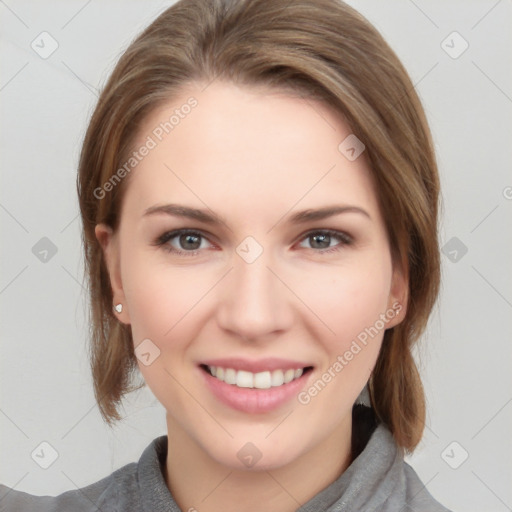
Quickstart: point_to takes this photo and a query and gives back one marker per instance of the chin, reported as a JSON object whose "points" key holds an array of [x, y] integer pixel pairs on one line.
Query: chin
{"points": [[255, 455]]}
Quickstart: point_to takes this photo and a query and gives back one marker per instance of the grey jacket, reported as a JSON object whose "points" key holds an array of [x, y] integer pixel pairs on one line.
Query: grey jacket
{"points": [[377, 480]]}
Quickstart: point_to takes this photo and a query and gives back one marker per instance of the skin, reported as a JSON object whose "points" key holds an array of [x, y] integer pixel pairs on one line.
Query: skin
{"points": [[254, 157]]}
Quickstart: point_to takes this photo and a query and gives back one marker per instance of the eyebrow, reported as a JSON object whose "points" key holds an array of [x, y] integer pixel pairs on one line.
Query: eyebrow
{"points": [[208, 217]]}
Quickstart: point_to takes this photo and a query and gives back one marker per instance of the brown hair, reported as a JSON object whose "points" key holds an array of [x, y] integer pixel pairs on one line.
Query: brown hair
{"points": [[321, 49]]}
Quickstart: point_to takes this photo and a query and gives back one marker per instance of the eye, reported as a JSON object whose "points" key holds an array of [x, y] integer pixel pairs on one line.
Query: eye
{"points": [[189, 242], [322, 238]]}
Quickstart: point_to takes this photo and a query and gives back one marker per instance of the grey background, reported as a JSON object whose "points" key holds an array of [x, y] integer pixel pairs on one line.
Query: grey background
{"points": [[465, 357]]}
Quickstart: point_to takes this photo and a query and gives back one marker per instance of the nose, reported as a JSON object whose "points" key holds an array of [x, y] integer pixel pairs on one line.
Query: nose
{"points": [[255, 302]]}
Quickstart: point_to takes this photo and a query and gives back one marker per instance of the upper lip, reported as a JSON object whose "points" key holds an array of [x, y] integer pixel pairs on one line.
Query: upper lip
{"points": [[255, 366]]}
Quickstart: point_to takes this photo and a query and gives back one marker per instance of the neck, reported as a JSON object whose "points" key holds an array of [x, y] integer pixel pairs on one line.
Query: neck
{"points": [[198, 482]]}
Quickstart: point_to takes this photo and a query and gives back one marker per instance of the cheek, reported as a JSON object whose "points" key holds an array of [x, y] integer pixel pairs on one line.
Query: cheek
{"points": [[159, 297], [350, 301], [347, 299], [162, 302]]}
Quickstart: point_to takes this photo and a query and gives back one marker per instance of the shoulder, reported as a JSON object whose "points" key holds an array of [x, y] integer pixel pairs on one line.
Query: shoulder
{"points": [[418, 497], [124, 489], [103, 494]]}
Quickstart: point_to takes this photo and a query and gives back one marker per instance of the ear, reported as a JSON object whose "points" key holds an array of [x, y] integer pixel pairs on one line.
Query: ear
{"points": [[398, 293], [109, 242]]}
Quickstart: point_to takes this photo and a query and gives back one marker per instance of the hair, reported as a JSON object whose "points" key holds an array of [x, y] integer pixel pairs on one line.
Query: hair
{"points": [[319, 49]]}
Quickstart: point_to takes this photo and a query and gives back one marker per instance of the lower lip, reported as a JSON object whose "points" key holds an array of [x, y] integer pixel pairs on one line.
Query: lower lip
{"points": [[251, 400]]}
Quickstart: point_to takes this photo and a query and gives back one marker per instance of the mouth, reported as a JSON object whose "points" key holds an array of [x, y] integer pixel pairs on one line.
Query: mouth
{"points": [[261, 380], [254, 387]]}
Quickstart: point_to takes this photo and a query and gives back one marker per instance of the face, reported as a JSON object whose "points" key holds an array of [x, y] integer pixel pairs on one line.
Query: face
{"points": [[228, 304]]}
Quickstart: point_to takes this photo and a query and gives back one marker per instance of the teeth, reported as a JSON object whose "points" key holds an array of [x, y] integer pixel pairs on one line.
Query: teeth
{"points": [[230, 376], [288, 376], [277, 378], [262, 380], [244, 379]]}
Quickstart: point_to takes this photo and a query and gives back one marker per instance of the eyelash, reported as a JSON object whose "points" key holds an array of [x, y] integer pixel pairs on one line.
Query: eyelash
{"points": [[169, 235]]}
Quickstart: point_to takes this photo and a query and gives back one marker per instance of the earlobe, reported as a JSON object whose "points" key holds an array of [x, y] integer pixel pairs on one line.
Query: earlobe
{"points": [[110, 247]]}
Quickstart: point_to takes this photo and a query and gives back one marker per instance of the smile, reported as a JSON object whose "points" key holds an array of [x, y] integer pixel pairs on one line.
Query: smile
{"points": [[260, 380], [254, 387]]}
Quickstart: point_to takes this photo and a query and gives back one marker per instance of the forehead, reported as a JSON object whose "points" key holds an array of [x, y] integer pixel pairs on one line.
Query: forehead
{"points": [[246, 149]]}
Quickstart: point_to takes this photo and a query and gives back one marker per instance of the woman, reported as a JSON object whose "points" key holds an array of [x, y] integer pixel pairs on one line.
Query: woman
{"points": [[284, 142]]}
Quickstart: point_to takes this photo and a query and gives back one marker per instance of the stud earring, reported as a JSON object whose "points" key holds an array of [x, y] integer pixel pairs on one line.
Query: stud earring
{"points": [[118, 308]]}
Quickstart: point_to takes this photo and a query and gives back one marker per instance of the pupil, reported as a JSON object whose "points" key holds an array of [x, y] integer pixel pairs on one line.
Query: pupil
{"points": [[189, 238], [323, 238]]}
